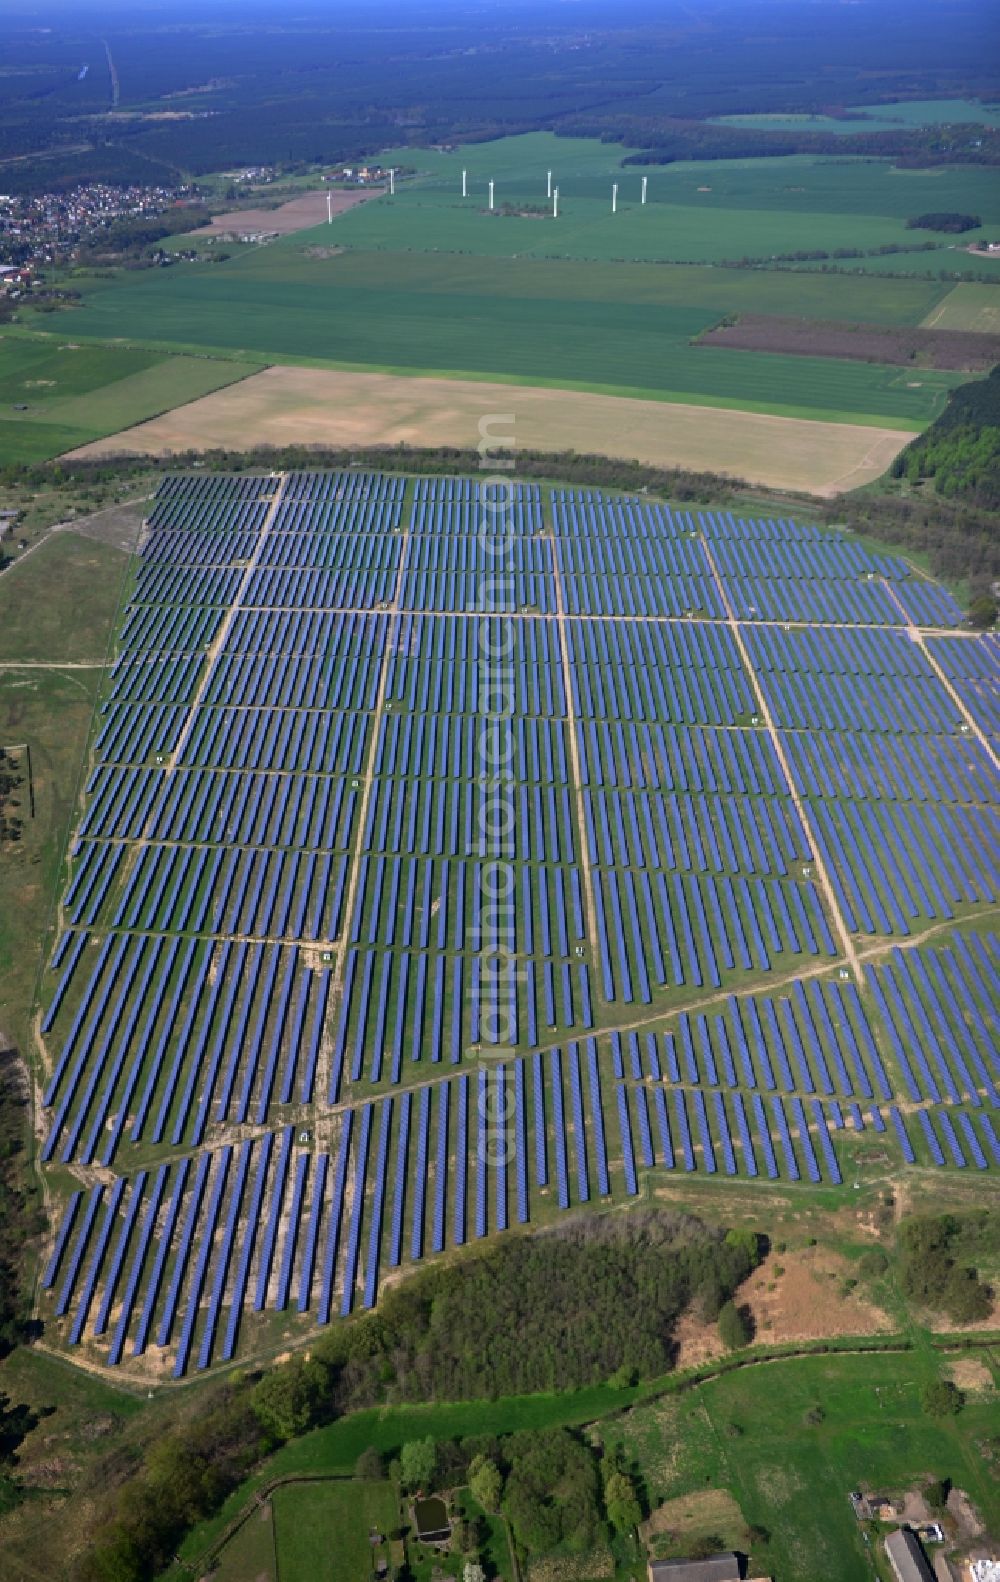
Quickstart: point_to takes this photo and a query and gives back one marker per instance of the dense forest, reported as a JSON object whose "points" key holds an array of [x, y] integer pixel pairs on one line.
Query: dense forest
{"points": [[573, 1306], [960, 453], [316, 87]]}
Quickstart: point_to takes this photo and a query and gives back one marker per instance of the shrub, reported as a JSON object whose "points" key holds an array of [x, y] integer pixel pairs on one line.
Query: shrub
{"points": [[735, 1327], [942, 1399]]}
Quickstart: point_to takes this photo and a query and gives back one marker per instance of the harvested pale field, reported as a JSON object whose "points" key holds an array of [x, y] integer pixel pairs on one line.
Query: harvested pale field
{"points": [[313, 406], [298, 214]]}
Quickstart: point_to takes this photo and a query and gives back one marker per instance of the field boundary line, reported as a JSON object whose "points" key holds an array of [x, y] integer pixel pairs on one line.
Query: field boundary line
{"points": [[847, 944], [916, 634]]}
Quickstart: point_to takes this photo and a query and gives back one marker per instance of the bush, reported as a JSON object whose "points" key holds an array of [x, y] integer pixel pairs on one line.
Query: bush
{"points": [[288, 1399], [418, 1464], [942, 1399], [369, 1465], [936, 1493], [930, 1273], [735, 1327], [873, 1263]]}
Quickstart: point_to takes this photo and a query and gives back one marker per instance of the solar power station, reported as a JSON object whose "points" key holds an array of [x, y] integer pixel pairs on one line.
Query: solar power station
{"points": [[751, 783]]}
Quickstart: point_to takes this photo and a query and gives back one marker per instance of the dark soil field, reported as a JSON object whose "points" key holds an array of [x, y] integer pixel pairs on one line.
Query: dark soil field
{"points": [[868, 343]]}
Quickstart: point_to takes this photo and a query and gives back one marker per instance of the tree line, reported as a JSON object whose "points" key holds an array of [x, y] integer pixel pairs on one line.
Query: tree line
{"points": [[960, 455], [955, 530]]}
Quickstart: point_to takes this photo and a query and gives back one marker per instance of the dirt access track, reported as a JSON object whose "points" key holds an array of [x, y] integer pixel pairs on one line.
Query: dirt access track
{"points": [[315, 406], [298, 214]]}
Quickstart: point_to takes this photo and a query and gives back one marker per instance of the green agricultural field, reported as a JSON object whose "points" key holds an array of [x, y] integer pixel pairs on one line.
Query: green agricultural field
{"points": [[46, 370], [399, 313], [967, 307], [785, 194], [696, 212], [321, 1529], [429, 284], [676, 227], [75, 392]]}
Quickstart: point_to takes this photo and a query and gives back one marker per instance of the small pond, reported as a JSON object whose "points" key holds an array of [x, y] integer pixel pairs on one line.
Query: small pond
{"points": [[431, 1517]]}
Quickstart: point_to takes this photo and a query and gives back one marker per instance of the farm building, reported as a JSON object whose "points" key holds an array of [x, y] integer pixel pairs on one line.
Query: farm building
{"points": [[717, 1568], [906, 1557]]}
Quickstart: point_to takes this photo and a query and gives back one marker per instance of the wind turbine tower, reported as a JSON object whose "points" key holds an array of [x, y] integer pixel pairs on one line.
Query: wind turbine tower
{"points": [[465, 183], [550, 185], [555, 203], [392, 183], [491, 197], [329, 208], [614, 198], [645, 179]]}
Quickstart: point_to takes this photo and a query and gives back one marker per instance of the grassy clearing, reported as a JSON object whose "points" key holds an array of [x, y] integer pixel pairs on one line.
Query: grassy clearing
{"points": [[250, 1553], [306, 1515], [51, 710], [60, 603], [85, 1419]]}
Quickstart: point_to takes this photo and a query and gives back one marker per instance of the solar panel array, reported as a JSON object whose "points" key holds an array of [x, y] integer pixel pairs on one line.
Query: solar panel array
{"points": [[737, 754]]}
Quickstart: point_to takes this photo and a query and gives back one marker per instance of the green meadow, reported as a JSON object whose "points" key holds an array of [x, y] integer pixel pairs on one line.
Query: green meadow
{"points": [[790, 1440]]}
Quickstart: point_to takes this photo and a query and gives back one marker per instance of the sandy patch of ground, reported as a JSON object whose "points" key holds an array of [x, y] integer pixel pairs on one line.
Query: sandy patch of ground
{"points": [[315, 406], [697, 1342], [298, 214], [972, 1377], [807, 1300]]}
